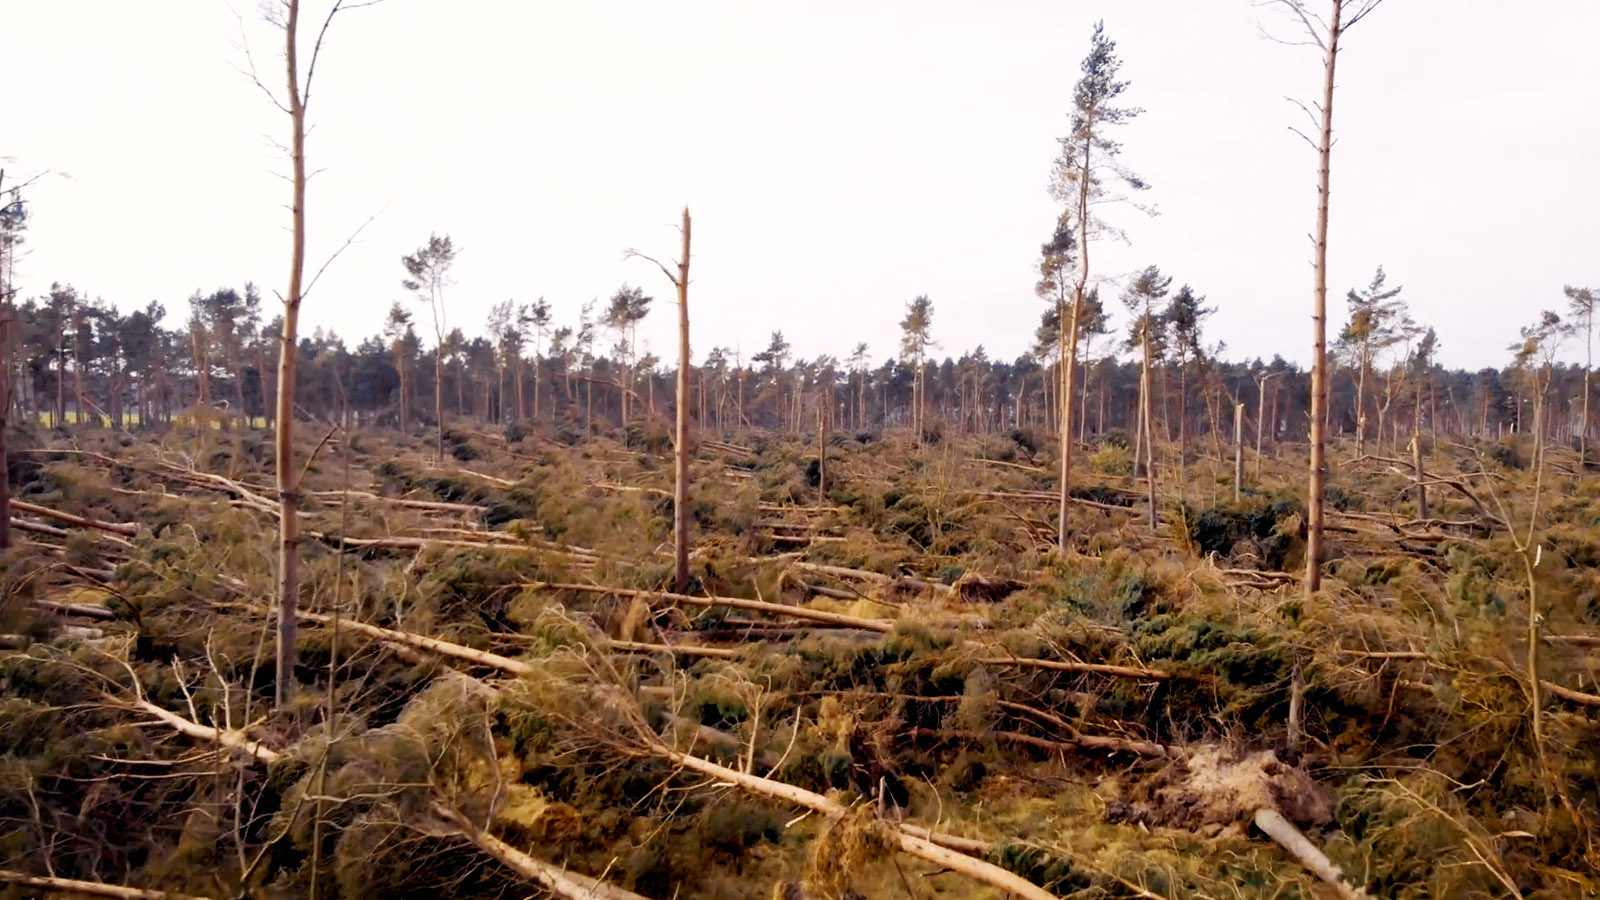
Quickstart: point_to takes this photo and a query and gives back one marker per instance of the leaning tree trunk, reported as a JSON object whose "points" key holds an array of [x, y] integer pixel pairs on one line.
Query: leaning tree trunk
{"points": [[288, 487], [1065, 425], [680, 487], [1319, 318]]}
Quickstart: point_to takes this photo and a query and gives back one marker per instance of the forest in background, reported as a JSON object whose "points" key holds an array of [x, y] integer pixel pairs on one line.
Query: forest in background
{"points": [[83, 358]]}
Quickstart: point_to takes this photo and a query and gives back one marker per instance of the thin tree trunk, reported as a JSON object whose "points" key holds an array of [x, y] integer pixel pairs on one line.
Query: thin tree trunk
{"points": [[1583, 432], [1146, 425], [461, 402], [438, 397], [1238, 451], [1319, 317], [5, 393], [680, 487], [522, 396], [287, 482]]}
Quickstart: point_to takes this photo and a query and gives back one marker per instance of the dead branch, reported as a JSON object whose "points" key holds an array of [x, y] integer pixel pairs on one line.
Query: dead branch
{"points": [[94, 888]]}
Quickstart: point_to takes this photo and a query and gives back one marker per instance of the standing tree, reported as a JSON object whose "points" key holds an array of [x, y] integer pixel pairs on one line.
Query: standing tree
{"points": [[1325, 35], [288, 484], [427, 275], [1143, 299], [502, 332], [1580, 318], [1534, 358], [13, 220], [914, 343], [1186, 317], [774, 358], [536, 315], [628, 307], [397, 331], [680, 436], [1378, 321], [1093, 321], [1084, 175], [858, 368]]}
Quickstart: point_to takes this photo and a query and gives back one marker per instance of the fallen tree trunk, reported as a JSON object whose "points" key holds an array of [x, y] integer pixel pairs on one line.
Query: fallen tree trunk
{"points": [[126, 529], [1274, 825], [558, 881], [54, 885], [677, 649], [86, 610], [445, 648], [1066, 666], [233, 740], [776, 609], [874, 577], [39, 528], [911, 843], [1073, 744]]}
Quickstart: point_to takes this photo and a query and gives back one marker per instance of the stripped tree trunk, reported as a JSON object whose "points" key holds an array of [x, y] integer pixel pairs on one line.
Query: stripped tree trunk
{"points": [[680, 487], [1319, 315], [287, 482]]}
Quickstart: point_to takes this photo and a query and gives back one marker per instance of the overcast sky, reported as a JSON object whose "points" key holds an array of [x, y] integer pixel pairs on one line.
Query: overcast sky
{"points": [[839, 158]]}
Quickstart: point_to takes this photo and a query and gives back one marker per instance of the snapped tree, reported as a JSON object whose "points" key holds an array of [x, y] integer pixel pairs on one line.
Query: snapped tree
{"points": [[680, 434]]}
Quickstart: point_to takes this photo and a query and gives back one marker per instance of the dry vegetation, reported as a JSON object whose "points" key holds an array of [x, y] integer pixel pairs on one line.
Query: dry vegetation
{"points": [[898, 688]]}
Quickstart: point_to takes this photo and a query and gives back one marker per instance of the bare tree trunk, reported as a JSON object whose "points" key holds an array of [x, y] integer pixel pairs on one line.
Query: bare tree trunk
{"points": [[1083, 397], [1261, 418], [1147, 427], [522, 395], [1361, 406], [5, 392], [461, 402], [287, 482], [261, 383], [1319, 316], [1583, 432], [1065, 425], [680, 487], [1416, 465], [1238, 451], [438, 398]]}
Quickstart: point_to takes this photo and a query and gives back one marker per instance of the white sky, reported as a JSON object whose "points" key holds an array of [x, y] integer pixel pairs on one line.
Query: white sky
{"points": [[838, 157]]}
